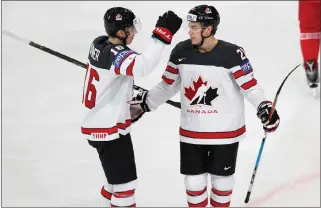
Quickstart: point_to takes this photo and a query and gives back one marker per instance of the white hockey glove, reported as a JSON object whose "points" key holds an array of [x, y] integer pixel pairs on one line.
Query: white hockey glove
{"points": [[138, 106]]}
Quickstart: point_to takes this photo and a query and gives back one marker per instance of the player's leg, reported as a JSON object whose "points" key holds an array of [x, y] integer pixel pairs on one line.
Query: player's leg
{"points": [[106, 192], [118, 161], [193, 166], [221, 166], [309, 17]]}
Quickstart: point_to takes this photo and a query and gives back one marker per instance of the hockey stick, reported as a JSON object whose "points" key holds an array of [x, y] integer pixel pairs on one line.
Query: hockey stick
{"points": [[67, 58], [247, 199]]}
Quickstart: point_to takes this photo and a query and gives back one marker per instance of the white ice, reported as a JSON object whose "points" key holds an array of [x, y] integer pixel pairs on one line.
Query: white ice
{"points": [[46, 162]]}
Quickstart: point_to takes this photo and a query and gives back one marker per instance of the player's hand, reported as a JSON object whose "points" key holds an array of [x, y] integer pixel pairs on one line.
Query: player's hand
{"points": [[263, 113], [167, 25], [138, 106]]}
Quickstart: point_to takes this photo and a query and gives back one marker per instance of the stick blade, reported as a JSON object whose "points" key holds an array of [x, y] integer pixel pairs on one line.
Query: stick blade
{"points": [[14, 36]]}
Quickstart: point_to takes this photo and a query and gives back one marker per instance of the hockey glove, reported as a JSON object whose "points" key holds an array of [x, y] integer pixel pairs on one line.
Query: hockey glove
{"points": [[138, 106], [263, 113], [166, 26]]}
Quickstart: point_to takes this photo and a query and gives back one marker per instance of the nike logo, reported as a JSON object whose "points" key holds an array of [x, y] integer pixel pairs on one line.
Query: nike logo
{"points": [[226, 168], [181, 59]]}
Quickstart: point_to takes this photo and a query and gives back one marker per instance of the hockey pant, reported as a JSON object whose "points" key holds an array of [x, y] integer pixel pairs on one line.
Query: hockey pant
{"points": [[309, 17]]}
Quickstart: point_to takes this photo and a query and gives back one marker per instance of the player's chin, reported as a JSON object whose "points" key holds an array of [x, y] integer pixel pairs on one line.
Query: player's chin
{"points": [[195, 41], [129, 41]]}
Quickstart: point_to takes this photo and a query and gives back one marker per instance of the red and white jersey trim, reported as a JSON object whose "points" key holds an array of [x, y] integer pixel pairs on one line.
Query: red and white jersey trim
{"points": [[106, 134], [226, 137], [171, 73], [245, 80]]}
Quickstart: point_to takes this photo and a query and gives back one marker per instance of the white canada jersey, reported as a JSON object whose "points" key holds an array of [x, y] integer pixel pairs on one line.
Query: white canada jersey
{"points": [[108, 87], [212, 87]]}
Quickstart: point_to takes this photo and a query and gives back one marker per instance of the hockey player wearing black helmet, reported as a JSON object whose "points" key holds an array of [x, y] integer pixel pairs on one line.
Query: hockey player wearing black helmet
{"points": [[202, 22], [107, 91], [214, 77], [121, 25]]}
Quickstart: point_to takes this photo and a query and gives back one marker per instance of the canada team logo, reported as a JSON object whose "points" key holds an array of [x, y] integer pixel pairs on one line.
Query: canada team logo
{"points": [[208, 10], [200, 93], [119, 17]]}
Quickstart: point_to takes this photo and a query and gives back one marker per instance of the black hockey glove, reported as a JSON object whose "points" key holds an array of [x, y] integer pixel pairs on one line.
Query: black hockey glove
{"points": [[263, 113], [166, 26], [138, 106]]}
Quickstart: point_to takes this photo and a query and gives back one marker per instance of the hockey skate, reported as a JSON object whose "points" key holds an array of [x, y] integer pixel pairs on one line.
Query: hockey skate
{"points": [[312, 74]]}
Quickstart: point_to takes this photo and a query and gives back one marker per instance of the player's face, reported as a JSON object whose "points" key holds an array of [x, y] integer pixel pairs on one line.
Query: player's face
{"points": [[132, 31], [195, 32]]}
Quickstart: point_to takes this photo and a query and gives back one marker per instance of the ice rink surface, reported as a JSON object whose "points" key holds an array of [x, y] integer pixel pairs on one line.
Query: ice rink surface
{"points": [[46, 162]]}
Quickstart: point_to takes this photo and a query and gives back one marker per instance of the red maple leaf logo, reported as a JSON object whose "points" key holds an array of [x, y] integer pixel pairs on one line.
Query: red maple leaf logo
{"points": [[189, 92]]}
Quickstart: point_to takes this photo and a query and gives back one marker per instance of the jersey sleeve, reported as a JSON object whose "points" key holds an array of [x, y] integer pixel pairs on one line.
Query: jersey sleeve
{"points": [[171, 72], [129, 63], [169, 85], [162, 92], [243, 74]]}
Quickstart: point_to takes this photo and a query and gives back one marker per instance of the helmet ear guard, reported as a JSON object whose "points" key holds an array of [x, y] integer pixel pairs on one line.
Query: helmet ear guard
{"points": [[205, 25]]}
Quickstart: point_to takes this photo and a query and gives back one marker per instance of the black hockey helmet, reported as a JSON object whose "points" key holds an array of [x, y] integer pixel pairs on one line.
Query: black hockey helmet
{"points": [[206, 15], [118, 18]]}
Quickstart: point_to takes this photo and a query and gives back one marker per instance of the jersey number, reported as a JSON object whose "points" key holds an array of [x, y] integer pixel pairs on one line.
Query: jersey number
{"points": [[242, 53], [90, 97]]}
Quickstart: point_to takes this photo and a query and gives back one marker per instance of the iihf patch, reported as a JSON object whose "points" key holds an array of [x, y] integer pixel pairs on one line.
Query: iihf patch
{"points": [[121, 56], [246, 67]]}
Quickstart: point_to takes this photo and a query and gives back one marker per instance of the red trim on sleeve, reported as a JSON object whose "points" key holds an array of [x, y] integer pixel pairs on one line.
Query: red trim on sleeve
{"points": [[171, 69], [129, 70], [168, 81], [249, 84]]}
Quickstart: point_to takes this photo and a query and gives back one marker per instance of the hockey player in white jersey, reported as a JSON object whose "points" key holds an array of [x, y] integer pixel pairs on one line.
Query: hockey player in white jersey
{"points": [[212, 122], [107, 91]]}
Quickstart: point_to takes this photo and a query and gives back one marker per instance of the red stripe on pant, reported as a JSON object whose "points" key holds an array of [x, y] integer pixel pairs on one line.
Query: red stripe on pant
{"points": [[217, 204], [201, 204], [196, 193], [105, 193], [124, 194], [221, 193]]}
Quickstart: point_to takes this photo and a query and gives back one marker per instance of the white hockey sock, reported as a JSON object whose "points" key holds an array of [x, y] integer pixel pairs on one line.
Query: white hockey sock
{"points": [[196, 190], [106, 192], [124, 195], [221, 190]]}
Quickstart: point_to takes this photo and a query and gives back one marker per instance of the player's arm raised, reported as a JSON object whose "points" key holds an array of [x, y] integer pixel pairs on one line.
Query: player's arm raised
{"points": [[146, 101], [128, 62]]}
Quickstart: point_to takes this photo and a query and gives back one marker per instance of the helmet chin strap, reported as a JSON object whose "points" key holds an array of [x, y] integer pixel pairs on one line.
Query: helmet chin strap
{"points": [[125, 38], [198, 46]]}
